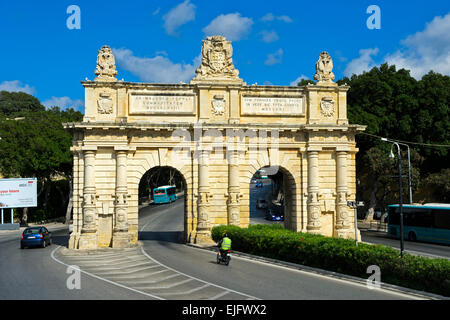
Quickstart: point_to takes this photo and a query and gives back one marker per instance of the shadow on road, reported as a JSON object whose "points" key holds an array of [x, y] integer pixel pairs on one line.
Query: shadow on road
{"points": [[167, 236], [61, 240]]}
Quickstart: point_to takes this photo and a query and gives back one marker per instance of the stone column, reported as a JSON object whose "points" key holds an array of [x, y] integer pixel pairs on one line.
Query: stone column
{"points": [[342, 221], [76, 206], [120, 232], [233, 202], [313, 204], [88, 238], [203, 234]]}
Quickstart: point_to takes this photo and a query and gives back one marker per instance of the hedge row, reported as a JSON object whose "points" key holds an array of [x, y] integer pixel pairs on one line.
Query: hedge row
{"points": [[340, 255]]}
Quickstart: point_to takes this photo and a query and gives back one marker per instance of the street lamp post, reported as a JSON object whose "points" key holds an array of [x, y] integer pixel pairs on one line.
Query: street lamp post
{"points": [[402, 247], [354, 205]]}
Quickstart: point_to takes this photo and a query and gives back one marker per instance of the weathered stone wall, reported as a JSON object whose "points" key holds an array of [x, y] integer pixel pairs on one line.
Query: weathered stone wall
{"points": [[130, 128]]}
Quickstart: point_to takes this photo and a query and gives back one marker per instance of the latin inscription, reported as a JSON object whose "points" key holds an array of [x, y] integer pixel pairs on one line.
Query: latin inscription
{"points": [[161, 104], [272, 106]]}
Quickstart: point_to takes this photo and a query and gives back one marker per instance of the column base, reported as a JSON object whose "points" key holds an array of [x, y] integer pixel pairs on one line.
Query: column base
{"points": [[314, 231], [88, 241], [203, 238], [120, 239], [348, 234], [74, 240]]}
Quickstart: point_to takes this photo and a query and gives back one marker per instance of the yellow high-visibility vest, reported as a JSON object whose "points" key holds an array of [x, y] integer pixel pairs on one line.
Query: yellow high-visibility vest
{"points": [[226, 244]]}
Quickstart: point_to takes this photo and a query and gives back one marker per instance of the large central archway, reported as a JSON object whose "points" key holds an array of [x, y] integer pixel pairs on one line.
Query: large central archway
{"points": [[173, 205]]}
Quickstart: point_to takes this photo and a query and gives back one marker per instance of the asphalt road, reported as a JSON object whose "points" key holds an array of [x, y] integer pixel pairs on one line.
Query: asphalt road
{"points": [[415, 248], [32, 274], [162, 268], [161, 231]]}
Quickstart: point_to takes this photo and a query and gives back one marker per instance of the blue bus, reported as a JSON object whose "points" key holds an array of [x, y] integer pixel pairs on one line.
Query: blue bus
{"points": [[428, 223], [165, 194]]}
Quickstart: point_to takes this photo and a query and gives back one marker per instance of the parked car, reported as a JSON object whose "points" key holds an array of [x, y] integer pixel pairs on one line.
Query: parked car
{"points": [[261, 204], [71, 226], [274, 215], [35, 236]]}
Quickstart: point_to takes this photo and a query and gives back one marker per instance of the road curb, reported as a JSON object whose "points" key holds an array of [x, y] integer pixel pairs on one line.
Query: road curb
{"points": [[332, 274]]}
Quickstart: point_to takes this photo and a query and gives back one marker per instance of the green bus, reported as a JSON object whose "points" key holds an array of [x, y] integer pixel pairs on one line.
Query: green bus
{"points": [[427, 223]]}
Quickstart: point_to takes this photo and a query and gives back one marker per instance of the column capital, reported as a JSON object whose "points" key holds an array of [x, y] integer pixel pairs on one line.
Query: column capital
{"points": [[89, 148], [121, 148]]}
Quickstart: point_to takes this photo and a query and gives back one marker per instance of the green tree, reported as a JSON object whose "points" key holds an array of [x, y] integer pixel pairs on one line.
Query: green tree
{"points": [[393, 104], [15, 104], [36, 145]]}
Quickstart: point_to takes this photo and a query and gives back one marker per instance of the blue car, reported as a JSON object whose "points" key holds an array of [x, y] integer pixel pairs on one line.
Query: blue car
{"points": [[259, 184], [36, 236], [274, 215]]}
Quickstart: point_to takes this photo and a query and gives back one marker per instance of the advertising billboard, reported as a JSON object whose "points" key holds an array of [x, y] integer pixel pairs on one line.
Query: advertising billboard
{"points": [[18, 193]]}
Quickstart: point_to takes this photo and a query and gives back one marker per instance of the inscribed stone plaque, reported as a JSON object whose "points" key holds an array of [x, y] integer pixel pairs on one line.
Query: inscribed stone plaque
{"points": [[272, 106], [161, 104]]}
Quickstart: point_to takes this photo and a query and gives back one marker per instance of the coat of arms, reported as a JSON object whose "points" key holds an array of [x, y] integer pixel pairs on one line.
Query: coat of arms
{"points": [[106, 65], [105, 104], [217, 60], [327, 107], [218, 105]]}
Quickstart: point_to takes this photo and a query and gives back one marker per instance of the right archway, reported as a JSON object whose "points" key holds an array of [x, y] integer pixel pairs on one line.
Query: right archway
{"points": [[272, 197]]}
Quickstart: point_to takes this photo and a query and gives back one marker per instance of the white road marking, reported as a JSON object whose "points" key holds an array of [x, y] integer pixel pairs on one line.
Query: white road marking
{"points": [[106, 280], [220, 295], [166, 287], [203, 281]]}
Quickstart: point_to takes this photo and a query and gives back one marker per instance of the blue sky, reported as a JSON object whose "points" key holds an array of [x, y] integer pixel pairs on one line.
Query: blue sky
{"points": [[274, 42]]}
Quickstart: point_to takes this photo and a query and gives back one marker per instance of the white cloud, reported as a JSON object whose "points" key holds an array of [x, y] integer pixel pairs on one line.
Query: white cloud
{"points": [[269, 36], [159, 69], [296, 81], [181, 14], [270, 17], [364, 62], [425, 50], [274, 58], [421, 52], [16, 86], [64, 103], [232, 26], [285, 19]]}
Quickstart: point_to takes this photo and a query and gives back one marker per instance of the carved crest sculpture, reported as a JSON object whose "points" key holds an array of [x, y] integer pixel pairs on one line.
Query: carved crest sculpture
{"points": [[324, 68], [106, 65], [218, 105], [105, 104], [327, 107], [217, 62]]}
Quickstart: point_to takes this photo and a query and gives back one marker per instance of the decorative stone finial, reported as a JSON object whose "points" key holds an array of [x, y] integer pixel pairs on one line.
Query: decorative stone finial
{"points": [[106, 65], [324, 68], [217, 62]]}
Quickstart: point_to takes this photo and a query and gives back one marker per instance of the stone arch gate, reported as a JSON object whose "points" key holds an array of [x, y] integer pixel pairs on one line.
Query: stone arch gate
{"points": [[216, 131]]}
